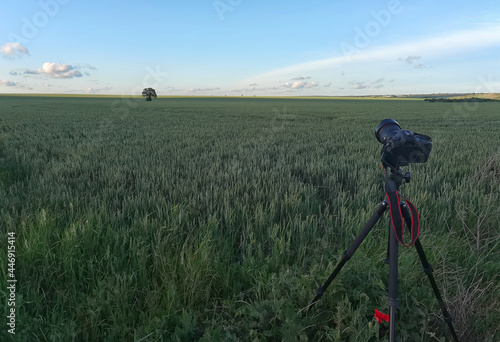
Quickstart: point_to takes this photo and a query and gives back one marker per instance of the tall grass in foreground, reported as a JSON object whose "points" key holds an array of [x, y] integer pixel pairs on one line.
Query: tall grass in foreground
{"points": [[217, 219]]}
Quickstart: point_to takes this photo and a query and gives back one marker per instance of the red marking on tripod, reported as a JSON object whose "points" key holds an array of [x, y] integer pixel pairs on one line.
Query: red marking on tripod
{"points": [[380, 316]]}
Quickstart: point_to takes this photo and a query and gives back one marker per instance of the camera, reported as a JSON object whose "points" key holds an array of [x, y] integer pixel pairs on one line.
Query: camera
{"points": [[401, 146]]}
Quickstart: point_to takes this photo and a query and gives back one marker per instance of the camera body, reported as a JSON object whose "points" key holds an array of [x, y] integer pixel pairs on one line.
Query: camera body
{"points": [[401, 146]]}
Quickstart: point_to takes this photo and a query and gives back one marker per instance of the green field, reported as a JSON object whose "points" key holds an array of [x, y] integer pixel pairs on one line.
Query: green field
{"points": [[216, 219]]}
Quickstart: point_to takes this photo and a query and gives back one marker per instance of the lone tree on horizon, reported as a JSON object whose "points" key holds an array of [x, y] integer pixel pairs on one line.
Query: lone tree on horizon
{"points": [[148, 93]]}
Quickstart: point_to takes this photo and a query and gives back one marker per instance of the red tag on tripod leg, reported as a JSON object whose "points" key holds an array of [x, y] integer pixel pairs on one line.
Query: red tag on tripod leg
{"points": [[380, 316]]}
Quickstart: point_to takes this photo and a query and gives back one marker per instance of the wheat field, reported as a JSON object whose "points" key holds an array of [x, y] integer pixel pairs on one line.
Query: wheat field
{"points": [[216, 219]]}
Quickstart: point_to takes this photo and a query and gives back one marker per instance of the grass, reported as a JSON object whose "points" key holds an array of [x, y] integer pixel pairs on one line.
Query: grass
{"points": [[217, 219]]}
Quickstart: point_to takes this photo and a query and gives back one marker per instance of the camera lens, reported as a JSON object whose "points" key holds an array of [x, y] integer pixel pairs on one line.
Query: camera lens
{"points": [[387, 128]]}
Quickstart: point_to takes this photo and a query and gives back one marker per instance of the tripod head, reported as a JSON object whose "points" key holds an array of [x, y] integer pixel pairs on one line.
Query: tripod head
{"points": [[394, 177]]}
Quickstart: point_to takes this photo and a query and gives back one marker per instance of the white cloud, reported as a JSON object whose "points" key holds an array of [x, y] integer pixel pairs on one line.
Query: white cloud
{"points": [[55, 70], [279, 89], [97, 90], [7, 83], [409, 59], [327, 84], [432, 46], [311, 84], [377, 84], [298, 85], [358, 85], [13, 50], [195, 90], [84, 66]]}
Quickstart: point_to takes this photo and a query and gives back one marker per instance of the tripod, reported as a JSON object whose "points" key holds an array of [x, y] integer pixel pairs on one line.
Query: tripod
{"points": [[393, 181]]}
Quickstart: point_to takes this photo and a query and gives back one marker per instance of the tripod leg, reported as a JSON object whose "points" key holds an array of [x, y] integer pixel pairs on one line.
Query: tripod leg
{"points": [[388, 245], [393, 282], [428, 270], [348, 253]]}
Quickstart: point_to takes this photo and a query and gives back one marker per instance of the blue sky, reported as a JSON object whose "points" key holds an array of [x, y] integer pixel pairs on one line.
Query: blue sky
{"points": [[234, 47]]}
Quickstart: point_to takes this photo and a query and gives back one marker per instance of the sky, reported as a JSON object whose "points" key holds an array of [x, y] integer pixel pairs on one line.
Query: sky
{"points": [[243, 47]]}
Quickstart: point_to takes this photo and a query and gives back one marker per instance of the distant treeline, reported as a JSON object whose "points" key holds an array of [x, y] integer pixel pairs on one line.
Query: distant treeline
{"points": [[470, 99]]}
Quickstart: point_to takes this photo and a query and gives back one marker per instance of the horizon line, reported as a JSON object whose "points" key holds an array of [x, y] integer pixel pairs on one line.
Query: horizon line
{"points": [[393, 96]]}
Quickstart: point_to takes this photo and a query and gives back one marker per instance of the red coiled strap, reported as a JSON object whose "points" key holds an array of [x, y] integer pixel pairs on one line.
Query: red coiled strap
{"points": [[397, 218]]}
